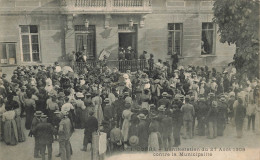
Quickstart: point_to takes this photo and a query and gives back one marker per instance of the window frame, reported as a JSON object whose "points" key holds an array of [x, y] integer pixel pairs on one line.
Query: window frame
{"points": [[173, 33], [7, 51], [30, 43], [82, 32], [213, 38]]}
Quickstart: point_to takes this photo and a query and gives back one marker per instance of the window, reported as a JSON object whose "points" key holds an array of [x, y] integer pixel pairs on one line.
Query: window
{"points": [[8, 53], [86, 41], [207, 38], [174, 38], [30, 43]]}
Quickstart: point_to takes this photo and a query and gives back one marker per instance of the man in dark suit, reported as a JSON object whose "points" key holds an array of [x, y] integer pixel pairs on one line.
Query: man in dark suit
{"points": [[45, 132], [91, 126]]}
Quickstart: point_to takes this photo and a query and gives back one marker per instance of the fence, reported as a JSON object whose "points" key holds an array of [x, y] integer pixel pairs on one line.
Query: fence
{"points": [[122, 65]]}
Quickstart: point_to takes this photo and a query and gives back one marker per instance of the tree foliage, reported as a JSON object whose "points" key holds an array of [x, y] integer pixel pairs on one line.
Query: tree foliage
{"points": [[238, 22]]}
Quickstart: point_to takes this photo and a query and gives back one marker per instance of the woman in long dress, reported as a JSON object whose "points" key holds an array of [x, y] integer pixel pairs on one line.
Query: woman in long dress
{"points": [[29, 105], [145, 98], [126, 123], [16, 104], [97, 101], [10, 127], [154, 140]]}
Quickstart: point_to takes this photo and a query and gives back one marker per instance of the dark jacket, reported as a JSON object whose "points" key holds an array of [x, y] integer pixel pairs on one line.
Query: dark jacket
{"points": [[91, 125], [44, 131]]}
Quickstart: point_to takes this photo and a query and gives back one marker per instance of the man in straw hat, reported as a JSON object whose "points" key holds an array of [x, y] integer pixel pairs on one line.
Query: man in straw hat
{"points": [[45, 131], [188, 113], [65, 132], [164, 101], [36, 120]]}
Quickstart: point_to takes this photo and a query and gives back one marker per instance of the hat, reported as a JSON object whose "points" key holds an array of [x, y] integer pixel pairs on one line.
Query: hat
{"points": [[157, 81], [107, 100], [88, 94], [57, 112], [225, 72], [52, 94], [81, 77], [126, 93], [79, 95], [153, 116], [214, 79], [129, 47], [152, 106], [38, 113], [211, 94], [172, 85], [133, 140], [24, 87], [120, 95], [65, 113], [141, 116], [61, 94], [222, 99], [164, 94], [187, 97], [202, 82], [44, 116], [201, 98], [161, 108]]}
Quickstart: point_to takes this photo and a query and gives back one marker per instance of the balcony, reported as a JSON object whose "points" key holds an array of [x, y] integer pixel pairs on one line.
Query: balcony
{"points": [[105, 6]]}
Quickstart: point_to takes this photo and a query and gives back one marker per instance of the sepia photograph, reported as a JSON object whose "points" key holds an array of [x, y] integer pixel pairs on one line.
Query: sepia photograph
{"points": [[129, 80]]}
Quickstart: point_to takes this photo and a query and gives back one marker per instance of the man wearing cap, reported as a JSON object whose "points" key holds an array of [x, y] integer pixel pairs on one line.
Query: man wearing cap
{"points": [[201, 112], [118, 106], [109, 112], [177, 118], [91, 126], [65, 132], [222, 115], [45, 131], [188, 113], [143, 134], [80, 111], [164, 101], [166, 123], [36, 120]]}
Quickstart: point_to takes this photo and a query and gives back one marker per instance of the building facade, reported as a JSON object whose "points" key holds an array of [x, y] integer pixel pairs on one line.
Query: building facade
{"points": [[44, 31]]}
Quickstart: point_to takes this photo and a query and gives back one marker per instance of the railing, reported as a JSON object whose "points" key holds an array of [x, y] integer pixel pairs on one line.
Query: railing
{"points": [[128, 3], [122, 65], [106, 6], [90, 3]]}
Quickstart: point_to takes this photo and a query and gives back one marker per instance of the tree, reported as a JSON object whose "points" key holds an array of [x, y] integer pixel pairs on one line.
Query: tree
{"points": [[238, 22]]}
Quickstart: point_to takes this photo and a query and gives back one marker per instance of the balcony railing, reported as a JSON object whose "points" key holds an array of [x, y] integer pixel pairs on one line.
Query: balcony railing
{"points": [[122, 65], [106, 6], [90, 3]]}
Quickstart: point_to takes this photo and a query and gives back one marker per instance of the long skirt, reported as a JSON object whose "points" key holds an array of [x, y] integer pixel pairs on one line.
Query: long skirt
{"points": [[125, 129], [10, 132], [28, 120], [21, 135], [153, 142]]}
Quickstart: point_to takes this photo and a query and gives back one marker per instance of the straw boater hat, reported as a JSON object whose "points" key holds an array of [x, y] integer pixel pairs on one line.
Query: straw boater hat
{"points": [[79, 95], [57, 112], [164, 94], [161, 108], [141, 116], [38, 113], [133, 141], [107, 100]]}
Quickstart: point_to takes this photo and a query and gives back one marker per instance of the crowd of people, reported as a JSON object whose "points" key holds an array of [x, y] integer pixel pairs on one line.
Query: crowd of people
{"points": [[141, 111]]}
